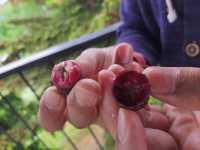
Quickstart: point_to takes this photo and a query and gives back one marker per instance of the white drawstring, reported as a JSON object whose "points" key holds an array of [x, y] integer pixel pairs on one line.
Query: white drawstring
{"points": [[172, 15]]}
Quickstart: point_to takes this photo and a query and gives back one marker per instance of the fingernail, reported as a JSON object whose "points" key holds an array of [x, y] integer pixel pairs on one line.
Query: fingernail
{"points": [[122, 133], [124, 53], [162, 79], [127, 56]]}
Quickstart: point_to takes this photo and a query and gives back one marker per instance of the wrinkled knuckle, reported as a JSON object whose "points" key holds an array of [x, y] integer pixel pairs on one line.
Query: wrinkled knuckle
{"points": [[186, 119], [192, 141], [196, 75], [179, 79], [187, 77]]}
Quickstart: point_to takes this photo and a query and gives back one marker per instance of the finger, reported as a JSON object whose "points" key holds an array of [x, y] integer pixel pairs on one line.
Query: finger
{"points": [[137, 67], [197, 116], [52, 110], [192, 141], [130, 131], [124, 55], [181, 132], [160, 140], [183, 123], [82, 103], [153, 119], [161, 108], [116, 69], [176, 86], [184, 127], [91, 61], [162, 79], [156, 108], [138, 57], [108, 108], [168, 108]]}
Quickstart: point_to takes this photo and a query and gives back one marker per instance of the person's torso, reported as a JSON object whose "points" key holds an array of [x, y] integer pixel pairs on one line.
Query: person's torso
{"points": [[180, 40]]}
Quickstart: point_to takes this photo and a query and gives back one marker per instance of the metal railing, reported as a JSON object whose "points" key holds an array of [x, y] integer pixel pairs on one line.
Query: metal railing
{"points": [[49, 56]]}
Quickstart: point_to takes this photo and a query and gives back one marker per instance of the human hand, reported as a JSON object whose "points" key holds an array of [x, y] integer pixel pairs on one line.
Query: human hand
{"points": [[107, 113], [131, 134], [80, 106], [184, 125], [178, 86], [127, 127], [183, 132]]}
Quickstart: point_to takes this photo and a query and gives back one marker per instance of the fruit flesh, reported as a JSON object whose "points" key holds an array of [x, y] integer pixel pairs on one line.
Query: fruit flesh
{"points": [[131, 90], [65, 75]]}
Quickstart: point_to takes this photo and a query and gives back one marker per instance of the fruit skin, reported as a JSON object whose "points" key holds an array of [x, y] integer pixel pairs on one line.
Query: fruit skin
{"points": [[137, 57], [65, 75], [131, 90]]}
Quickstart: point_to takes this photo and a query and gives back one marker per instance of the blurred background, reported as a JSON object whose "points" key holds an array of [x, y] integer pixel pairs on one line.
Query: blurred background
{"points": [[28, 28], [34, 35]]}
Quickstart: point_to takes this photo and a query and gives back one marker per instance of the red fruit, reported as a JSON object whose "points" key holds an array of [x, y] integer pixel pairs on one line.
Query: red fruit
{"points": [[131, 89], [137, 57], [65, 75]]}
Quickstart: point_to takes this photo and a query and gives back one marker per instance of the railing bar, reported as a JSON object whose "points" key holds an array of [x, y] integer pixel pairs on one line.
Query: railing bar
{"points": [[45, 89], [11, 138], [95, 138], [58, 50], [29, 85], [51, 64], [16, 113], [70, 140], [34, 134]]}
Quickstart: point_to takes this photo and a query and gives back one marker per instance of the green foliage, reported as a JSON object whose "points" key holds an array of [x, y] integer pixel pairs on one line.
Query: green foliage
{"points": [[109, 141], [154, 101], [27, 27]]}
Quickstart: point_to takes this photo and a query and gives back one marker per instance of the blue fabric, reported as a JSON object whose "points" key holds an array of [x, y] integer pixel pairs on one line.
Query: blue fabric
{"points": [[146, 28]]}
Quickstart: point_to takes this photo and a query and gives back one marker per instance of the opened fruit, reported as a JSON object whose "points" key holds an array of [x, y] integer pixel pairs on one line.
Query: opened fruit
{"points": [[131, 90], [65, 75]]}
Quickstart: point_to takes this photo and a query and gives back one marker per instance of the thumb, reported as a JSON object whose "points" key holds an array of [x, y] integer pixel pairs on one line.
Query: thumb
{"points": [[176, 85]]}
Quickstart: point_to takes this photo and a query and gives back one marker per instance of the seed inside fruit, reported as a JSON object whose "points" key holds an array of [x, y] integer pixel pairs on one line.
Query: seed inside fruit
{"points": [[131, 90]]}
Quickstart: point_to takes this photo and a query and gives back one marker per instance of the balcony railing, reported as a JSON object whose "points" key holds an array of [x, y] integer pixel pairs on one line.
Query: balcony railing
{"points": [[31, 77]]}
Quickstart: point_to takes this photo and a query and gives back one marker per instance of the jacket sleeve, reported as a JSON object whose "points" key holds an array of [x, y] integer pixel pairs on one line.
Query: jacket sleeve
{"points": [[134, 31]]}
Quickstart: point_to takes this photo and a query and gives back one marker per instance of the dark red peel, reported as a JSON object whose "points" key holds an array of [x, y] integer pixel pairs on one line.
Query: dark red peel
{"points": [[65, 75], [131, 90], [137, 57]]}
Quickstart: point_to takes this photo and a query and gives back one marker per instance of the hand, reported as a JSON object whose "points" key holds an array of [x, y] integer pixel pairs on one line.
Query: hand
{"points": [[184, 126], [131, 135], [80, 107], [126, 126], [183, 133], [119, 123], [178, 86]]}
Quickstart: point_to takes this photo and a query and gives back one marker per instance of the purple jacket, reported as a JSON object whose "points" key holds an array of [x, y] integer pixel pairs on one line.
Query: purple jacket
{"points": [[166, 32]]}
